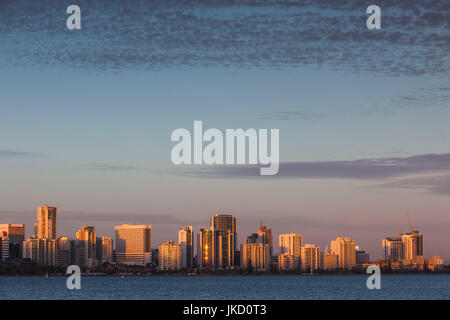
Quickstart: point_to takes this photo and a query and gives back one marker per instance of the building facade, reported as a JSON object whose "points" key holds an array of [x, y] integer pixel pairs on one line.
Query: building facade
{"points": [[185, 238], [345, 248], [310, 258], [133, 244], [46, 223], [170, 256], [291, 243]]}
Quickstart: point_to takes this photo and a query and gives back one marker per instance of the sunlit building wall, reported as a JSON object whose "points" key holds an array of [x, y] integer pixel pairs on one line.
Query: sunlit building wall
{"points": [[255, 256], [392, 249], [185, 238], [310, 257], [290, 243], [133, 244], [287, 262], [170, 256], [40, 251], [345, 248], [46, 222]]}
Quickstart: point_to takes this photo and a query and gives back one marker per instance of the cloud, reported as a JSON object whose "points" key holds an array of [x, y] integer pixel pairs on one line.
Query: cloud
{"points": [[361, 169], [107, 167], [118, 35], [439, 184], [293, 115], [16, 154]]}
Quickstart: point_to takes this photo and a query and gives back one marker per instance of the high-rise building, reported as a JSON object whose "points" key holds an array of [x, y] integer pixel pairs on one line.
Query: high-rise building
{"points": [[392, 249], [185, 238], [107, 249], [345, 248], [226, 222], [206, 249], [40, 251], [330, 261], [133, 244], [64, 252], [16, 235], [412, 246], [287, 262], [362, 257], [310, 257], [88, 234], [4, 246], [266, 237], [255, 256], [170, 256], [291, 243], [46, 222]]}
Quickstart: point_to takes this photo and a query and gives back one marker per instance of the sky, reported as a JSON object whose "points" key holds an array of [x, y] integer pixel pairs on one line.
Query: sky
{"points": [[86, 115]]}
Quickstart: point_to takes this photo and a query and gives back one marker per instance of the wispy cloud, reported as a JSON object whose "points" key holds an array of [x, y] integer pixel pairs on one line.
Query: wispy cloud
{"points": [[107, 167], [393, 172], [16, 154]]}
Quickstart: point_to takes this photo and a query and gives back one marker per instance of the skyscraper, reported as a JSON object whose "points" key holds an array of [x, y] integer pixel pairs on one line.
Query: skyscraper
{"points": [[40, 251], [291, 243], [412, 246], [255, 256], [266, 237], [88, 235], [170, 256], [392, 249], [310, 258], [206, 249], [107, 249], [185, 238], [133, 244], [345, 248], [16, 235], [225, 222], [46, 222], [224, 228]]}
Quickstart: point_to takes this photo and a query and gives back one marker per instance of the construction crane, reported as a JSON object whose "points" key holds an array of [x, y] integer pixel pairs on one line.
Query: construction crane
{"points": [[409, 222], [400, 232]]}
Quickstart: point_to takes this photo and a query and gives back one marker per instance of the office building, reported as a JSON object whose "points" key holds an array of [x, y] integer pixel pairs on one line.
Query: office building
{"points": [[226, 222], [185, 238], [133, 244], [16, 235]]}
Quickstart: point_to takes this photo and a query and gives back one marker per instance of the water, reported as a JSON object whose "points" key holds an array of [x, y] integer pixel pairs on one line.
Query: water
{"points": [[228, 287]]}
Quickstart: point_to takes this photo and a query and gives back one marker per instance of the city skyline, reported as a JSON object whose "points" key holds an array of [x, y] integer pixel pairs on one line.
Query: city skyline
{"points": [[287, 241]]}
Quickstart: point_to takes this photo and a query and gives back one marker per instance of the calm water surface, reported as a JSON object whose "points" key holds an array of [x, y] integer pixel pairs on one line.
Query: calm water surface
{"points": [[226, 287]]}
